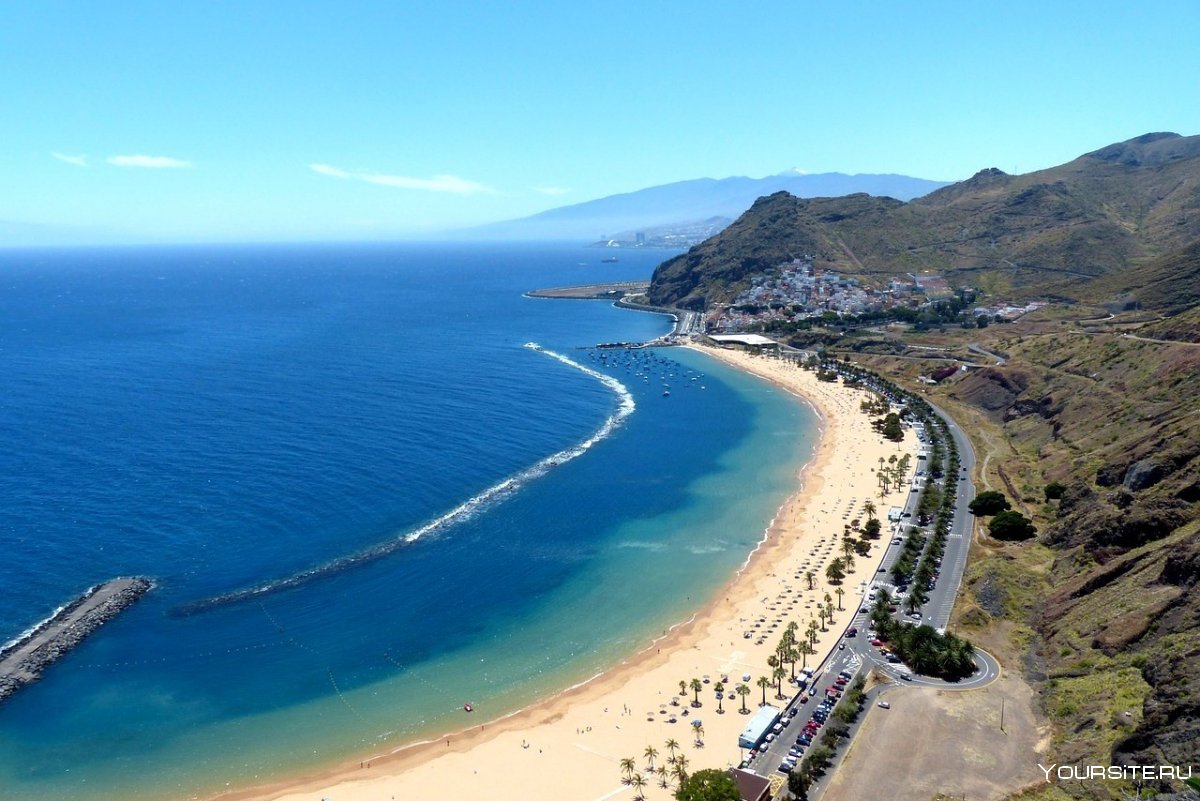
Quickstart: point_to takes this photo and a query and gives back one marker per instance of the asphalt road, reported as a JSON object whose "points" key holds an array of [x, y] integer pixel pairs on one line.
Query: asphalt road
{"points": [[856, 654]]}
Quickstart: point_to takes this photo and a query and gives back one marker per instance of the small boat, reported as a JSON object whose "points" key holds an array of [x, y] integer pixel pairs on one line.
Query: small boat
{"points": [[468, 707], [610, 260], [666, 392]]}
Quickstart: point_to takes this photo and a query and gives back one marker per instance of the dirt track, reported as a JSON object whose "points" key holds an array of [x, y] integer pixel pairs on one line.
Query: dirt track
{"points": [[939, 741]]}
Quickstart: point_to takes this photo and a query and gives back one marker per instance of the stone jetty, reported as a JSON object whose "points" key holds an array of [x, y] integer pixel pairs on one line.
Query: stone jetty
{"points": [[24, 660]]}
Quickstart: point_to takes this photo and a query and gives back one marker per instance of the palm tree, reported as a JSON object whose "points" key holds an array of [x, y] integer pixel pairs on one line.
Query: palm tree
{"points": [[672, 746], [806, 650], [719, 689], [628, 766], [699, 735], [764, 683], [829, 611], [682, 687], [680, 769], [663, 781], [638, 783], [913, 602], [779, 674], [793, 652], [812, 633], [773, 661], [651, 753], [840, 592], [869, 509], [835, 573], [697, 686], [810, 577], [743, 691]]}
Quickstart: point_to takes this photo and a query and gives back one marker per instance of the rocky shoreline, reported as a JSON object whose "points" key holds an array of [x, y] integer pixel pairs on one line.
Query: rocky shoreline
{"points": [[23, 661]]}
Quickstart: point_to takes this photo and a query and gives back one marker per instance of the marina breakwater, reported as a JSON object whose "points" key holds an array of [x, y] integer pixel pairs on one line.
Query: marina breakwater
{"points": [[23, 660]]}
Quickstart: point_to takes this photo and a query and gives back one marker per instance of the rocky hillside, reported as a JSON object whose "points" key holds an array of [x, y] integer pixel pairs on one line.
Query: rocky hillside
{"points": [[1118, 224], [1108, 597]]}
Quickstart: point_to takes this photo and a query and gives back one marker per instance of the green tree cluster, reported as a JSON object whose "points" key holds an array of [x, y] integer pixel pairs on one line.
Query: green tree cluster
{"points": [[1011, 526], [708, 785], [988, 503]]}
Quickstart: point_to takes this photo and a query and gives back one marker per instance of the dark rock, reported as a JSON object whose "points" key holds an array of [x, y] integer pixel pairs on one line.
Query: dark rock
{"points": [[1143, 474], [1110, 475]]}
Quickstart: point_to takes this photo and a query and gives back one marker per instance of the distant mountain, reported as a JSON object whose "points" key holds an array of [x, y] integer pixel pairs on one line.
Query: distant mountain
{"points": [[688, 202], [1120, 222]]}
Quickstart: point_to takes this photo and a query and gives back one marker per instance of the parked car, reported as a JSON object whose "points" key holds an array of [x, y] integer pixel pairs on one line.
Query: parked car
{"points": [[884, 705]]}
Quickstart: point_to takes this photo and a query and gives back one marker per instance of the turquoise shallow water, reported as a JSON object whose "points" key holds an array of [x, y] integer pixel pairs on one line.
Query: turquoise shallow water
{"points": [[224, 419]]}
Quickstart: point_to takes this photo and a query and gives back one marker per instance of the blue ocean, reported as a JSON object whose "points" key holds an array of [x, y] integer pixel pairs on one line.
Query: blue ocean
{"points": [[370, 483]]}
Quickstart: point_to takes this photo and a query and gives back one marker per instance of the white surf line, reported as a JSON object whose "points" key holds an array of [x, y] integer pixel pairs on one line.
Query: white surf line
{"points": [[465, 510]]}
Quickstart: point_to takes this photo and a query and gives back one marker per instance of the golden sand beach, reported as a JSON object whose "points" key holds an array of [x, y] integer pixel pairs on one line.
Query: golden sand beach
{"points": [[570, 747]]}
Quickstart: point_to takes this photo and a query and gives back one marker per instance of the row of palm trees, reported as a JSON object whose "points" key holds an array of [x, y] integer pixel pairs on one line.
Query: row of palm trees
{"points": [[675, 769], [891, 476]]}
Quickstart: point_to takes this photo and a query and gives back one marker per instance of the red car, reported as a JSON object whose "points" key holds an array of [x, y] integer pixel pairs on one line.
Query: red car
{"points": [[877, 643]]}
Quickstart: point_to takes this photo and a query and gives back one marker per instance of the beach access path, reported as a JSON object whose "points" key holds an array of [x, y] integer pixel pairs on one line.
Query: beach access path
{"points": [[570, 747]]}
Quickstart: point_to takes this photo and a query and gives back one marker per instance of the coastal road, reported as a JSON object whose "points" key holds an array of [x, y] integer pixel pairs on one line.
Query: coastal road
{"points": [[954, 561], [856, 654]]}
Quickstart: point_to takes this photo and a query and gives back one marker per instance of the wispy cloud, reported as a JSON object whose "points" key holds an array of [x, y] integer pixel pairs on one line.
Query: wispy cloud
{"points": [[78, 161], [438, 183], [149, 162], [553, 191]]}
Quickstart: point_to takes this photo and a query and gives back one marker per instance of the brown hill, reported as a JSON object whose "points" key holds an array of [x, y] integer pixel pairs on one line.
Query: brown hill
{"points": [[1101, 611], [1117, 623], [1082, 231]]}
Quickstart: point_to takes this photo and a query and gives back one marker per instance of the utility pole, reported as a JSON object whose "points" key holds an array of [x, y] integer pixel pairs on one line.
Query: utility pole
{"points": [[1002, 715]]}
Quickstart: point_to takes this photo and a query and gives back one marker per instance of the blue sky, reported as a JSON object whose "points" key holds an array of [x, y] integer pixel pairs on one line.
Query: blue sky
{"points": [[224, 121]]}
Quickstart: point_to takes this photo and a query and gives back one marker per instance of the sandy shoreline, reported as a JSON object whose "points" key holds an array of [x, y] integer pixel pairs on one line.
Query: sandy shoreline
{"points": [[569, 746]]}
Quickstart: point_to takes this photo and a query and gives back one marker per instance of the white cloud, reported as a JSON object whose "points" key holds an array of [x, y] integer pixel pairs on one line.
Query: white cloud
{"points": [[149, 162], [78, 161], [438, 183], [325, 169], [553, 191]]}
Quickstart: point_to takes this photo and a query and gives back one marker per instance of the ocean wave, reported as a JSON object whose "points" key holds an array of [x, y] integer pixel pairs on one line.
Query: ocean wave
{"points": [[464, 511]]}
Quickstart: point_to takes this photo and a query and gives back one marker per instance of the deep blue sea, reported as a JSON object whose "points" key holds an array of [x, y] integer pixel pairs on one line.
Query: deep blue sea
{"points": [[363, 499]]}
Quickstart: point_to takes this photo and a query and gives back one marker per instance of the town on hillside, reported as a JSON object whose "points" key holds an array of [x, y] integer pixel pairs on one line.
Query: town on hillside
{"points": [[797, 291]]}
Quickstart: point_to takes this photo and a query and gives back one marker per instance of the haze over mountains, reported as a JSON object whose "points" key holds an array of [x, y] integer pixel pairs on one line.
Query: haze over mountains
{"points": [[691, 201], [1122, 222]]}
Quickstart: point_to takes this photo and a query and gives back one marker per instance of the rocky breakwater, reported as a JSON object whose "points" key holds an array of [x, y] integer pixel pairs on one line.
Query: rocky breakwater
{"points": [[23, 660]]}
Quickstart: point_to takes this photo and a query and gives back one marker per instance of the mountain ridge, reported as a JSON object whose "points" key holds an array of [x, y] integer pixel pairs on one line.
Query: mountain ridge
{"points": [[688, 201], [1049, 233]]}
